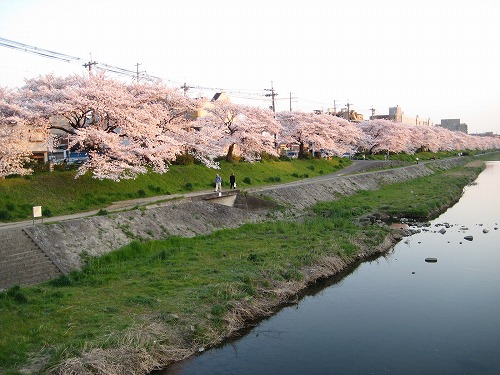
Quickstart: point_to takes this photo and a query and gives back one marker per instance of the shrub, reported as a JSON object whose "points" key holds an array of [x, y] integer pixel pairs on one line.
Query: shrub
{"points": [[5, 215], [268, 157], [63, 280], [184, 159], [274, 179], [189, 186], [247, 180], [154, 189], [141, 193]]}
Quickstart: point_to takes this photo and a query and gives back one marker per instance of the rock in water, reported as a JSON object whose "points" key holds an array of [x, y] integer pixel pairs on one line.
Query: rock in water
{"points": [[468, 238], [431, 260]]}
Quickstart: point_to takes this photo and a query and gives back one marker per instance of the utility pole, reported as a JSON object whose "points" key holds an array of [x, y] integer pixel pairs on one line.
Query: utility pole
{"points": [[137, 72], [373, 112], [89, 64], [348, 110], [185, 88], [272, 95], [291, 101]]}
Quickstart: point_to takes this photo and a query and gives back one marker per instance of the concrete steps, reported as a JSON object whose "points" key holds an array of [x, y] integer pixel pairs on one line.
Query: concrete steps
{"points": [[22, 262]]}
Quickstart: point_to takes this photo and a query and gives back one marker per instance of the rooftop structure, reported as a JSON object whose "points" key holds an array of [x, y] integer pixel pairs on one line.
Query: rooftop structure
{"points": [[454, 124]]}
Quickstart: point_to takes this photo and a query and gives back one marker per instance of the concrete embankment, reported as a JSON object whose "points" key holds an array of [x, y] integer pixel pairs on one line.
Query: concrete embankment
{"points": [[66, 241]]}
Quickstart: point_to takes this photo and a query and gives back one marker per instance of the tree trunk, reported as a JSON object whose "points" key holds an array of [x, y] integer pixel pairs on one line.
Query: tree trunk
{"points": [[229, 156], [302, 150]]}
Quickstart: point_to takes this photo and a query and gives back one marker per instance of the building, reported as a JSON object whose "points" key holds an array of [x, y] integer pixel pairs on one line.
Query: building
{"points": [[353, 115], [350, 115], [219, 96], [396, 114], [454, 124]]}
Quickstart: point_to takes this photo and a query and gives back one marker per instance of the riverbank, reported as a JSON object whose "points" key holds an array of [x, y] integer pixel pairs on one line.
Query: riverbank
{"points": [[181, 296]]}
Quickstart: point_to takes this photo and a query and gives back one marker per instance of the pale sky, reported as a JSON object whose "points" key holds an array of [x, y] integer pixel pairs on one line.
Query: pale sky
{"points": [[437, 59]]}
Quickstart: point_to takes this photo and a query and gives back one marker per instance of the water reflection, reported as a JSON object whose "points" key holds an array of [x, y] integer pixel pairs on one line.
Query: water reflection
{"points": [[396, 314]]}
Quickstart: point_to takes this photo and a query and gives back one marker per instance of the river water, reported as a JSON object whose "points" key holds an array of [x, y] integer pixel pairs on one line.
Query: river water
{"points": [[397, 314]]}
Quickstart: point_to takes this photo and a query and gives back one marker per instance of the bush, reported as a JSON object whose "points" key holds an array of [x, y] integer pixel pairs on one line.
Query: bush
{"points": [[63, 280], [184, 159], [268, 157], [189, 186], [5, 215], [247, 180], [274, 179], [141, 193], [154, 189]]}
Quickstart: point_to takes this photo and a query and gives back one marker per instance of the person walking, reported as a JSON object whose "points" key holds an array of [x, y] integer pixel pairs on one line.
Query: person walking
{"points": [[232, 181], [218, 183]]}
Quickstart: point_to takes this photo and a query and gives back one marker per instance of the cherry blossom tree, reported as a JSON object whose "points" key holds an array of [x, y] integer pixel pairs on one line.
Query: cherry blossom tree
{"points": [[386, 136], [125, 129], [14, 151], [390, 136], [333, 135], [251, 130], [129, 129]]}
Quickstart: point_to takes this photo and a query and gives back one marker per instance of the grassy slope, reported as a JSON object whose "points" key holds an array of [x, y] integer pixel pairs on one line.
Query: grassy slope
{"points": [[185, 287], [59, 193]]}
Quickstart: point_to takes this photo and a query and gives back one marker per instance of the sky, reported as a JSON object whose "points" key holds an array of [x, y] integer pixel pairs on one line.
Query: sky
{"points": [[436, 59]]}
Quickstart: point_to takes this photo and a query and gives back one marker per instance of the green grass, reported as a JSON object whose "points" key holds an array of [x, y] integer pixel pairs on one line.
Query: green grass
{"points": [[59, 193], [196, 279], [189, 284], [426, 155], [415, 199]]}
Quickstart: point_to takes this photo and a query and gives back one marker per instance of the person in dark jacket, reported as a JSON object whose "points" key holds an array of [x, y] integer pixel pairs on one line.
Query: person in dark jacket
{"points": [[232, 181]]}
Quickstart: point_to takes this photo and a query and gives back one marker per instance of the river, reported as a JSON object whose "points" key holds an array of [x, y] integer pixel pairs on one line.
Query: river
{"points": [[397, 314]]}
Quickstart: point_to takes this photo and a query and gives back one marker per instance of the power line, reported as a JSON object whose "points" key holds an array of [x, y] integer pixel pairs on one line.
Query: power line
{"points": [[37, 51], [241, 93], [69, 59], [136, 75]]}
